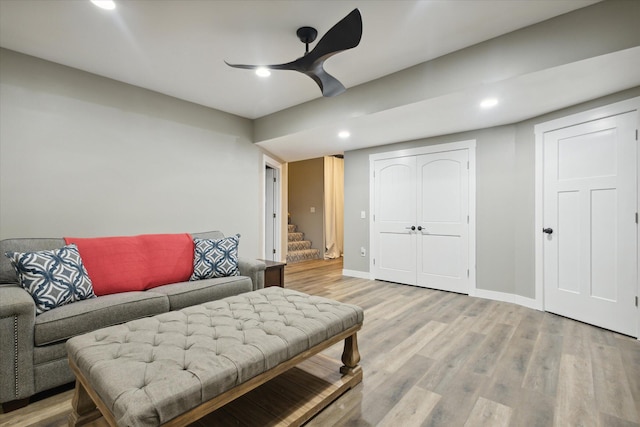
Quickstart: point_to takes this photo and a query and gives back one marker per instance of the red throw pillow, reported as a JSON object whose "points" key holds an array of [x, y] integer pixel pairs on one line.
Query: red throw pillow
{"points": [[135, 263]]}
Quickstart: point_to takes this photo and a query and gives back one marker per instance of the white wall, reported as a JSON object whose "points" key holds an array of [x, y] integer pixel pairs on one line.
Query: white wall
{"points": [[82, 155]]}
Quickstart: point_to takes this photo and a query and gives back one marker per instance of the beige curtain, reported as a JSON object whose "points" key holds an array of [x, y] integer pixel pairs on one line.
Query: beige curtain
{"points": [[333, 207]]}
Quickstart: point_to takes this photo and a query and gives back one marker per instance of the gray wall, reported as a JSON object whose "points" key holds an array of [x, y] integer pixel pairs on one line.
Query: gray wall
{"points": [[306, 190], [82, 155], [505, 204]]}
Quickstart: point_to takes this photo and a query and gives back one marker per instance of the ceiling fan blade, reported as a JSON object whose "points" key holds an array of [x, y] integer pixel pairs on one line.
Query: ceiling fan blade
{"points": [[329, 85], [288, 66], [346, 34]]}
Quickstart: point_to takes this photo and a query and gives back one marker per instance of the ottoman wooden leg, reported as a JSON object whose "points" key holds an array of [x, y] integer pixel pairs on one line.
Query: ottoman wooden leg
{"points": [[83, 408], [350, 356]]}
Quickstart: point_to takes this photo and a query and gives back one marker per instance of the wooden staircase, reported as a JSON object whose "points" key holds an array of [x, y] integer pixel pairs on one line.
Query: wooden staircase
{"points": [[298, 248]]}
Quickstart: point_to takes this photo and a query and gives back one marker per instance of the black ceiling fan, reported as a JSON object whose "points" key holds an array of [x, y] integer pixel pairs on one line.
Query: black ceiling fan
{"points": [[346, 34]]}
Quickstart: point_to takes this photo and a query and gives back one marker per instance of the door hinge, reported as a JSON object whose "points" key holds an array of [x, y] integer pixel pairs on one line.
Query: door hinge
{"points": [[274, 179], [636, 300], [467, 273], [274, 251], [374, 217], [274, 214], [467, 165], [374, 261], [467, 219], [636, 134], [636, 217]]}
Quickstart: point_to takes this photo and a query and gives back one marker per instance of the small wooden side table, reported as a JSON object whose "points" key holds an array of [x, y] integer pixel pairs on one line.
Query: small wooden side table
{"points": [[274, 273]]}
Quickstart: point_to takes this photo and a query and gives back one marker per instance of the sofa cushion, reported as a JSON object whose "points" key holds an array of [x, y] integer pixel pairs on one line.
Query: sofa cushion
{"points": [[215, 234], [8, 274], [215, 258], [136, 263], [89, 315], [186, 294], [53, 277]]}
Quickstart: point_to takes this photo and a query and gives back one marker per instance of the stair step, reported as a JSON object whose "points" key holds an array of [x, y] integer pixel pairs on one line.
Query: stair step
{"points": [[299, 245], [291, 228], [304, 255], [295, 237]]}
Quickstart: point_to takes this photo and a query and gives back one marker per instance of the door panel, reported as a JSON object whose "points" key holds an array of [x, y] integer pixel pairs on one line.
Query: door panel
{"points": [[569, 246], [590, 201], [443, 189], [440, 257], [440, 189], [395, 213], [603, 244], [395, 253]]}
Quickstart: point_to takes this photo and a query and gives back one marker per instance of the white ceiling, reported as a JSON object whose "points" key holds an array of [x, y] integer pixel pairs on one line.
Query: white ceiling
{"points": [[178, 48]]}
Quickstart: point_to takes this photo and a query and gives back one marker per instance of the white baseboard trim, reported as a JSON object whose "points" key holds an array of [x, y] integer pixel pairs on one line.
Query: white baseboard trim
{"points": [[359, 274], [480, 293], [528, 302], [506, 297], [494, 295]]}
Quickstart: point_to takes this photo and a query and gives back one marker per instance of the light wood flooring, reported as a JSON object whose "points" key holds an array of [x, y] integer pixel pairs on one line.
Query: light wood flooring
{"points": [[434, 358]]}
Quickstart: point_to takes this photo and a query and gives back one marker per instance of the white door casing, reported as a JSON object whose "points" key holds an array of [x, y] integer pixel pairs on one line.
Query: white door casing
{"points": [[423, 222], [587, 190]]}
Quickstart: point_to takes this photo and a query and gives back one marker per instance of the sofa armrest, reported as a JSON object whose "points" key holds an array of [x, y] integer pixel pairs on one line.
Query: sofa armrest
{"points": [[253, 269], [17, 321]]}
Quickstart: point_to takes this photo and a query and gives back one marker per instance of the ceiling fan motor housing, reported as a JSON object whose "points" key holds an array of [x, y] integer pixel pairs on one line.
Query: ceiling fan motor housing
{"points": [[307, 35]]}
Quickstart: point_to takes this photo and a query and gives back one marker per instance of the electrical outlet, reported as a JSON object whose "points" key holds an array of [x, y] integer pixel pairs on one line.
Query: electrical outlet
{"points": [[363, 251], [312, 209], [363, 214]]}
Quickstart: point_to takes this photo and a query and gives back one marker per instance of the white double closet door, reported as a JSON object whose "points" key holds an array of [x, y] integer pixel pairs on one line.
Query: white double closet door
{"points": [[421, 220]]}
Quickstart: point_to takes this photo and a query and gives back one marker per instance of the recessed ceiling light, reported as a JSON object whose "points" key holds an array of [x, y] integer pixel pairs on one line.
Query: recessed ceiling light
{"points": [[344, 134], [104, 4], [263, 72], [489, 102]]}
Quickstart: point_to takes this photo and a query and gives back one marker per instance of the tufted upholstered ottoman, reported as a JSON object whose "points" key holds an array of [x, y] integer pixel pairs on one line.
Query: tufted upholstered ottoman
{"points": [[176, 367]]}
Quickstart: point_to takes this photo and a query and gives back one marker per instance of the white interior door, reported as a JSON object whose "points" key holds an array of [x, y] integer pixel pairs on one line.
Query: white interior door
{"points": [[443, 221], [590, 205], [270, 224], [394, 215]]}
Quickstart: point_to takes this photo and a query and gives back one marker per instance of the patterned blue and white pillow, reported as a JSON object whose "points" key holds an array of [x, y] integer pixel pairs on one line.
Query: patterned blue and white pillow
{"points": [[53, 278], [215, 258]]}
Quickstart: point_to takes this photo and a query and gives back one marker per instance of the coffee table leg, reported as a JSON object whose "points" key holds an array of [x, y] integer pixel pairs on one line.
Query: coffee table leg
{"points": [[350, 356], [83, 408]]}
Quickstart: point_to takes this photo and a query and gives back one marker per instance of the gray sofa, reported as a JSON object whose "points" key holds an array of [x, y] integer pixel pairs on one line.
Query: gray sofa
{"points": [[32, 348]]}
